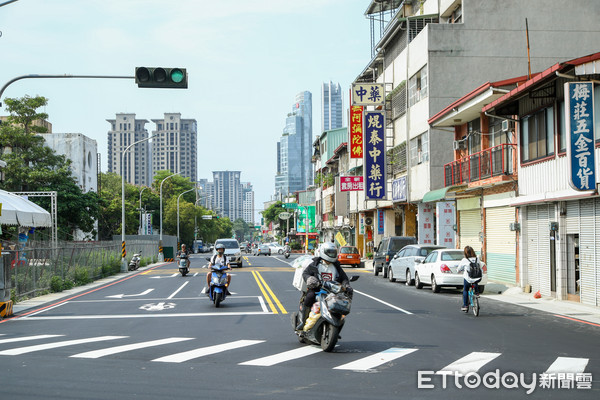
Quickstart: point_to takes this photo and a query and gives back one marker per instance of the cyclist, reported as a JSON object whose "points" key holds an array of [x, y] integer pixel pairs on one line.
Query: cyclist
{"points": [[465, 264]]}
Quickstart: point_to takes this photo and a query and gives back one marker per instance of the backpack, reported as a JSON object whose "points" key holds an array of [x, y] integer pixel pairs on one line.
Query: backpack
{"points": [[214, 257], [474, 270]]}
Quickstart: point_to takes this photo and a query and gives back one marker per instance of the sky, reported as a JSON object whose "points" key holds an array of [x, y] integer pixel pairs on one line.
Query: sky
{"points": [[246, 61]]}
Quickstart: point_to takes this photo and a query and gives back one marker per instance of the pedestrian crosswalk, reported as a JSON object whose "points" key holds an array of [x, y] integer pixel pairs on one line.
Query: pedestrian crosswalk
{"points": [[355, 361]]}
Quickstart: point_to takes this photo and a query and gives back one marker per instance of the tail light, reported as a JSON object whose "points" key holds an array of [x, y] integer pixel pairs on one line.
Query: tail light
{"points": [[484, 269], [387, 258], [445, 270]]}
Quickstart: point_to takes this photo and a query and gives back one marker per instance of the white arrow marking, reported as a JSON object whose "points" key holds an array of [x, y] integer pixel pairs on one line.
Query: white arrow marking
{"points": [[157, 307], [120, 296]]}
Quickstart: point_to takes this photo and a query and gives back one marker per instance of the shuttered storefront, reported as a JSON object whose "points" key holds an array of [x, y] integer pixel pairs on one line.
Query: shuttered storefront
{"points": [[538, 248], [500, 244], [470, 229], [589, 222]]}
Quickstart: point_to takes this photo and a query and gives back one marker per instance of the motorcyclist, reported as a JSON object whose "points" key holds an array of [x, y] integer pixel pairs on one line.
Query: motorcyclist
{"points": [[219, 258], [325, 267], [184, 253]]}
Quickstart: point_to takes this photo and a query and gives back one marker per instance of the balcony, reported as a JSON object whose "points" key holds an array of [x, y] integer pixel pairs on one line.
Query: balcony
{"points": [[495, 161]]}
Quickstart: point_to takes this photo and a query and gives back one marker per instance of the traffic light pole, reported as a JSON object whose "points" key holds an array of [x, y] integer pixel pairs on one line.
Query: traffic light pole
{"points": [[36, 76]]}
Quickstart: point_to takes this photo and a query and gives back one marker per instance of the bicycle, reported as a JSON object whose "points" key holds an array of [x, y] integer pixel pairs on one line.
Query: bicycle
{"points": [[473, 301]]}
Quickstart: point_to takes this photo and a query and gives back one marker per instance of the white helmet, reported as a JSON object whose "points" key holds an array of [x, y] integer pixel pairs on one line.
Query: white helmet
{"points": [[328, 252]]}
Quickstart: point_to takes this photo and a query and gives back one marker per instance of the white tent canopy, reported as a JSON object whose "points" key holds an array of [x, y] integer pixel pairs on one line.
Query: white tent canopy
{"points": [[17, 210]]}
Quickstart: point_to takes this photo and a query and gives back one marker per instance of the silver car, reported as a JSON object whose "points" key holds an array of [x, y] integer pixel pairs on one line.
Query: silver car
{"points": [[402, 265], [232, 250]]}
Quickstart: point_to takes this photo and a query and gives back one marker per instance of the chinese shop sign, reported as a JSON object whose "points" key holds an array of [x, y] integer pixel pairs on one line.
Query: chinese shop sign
{"points": [[374, 162], [579, 110]]}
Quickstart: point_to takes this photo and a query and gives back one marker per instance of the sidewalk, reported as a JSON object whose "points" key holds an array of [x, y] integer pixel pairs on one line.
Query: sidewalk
{"points": [[515, 295]]}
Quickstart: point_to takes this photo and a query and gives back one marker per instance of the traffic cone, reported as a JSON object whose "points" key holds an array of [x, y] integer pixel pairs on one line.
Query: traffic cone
{"points": [[537, 295]]}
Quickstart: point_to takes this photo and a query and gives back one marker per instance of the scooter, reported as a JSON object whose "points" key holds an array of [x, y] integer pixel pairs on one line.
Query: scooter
{"points": [[134, 264], [323, 327], [286, 254], [218, 281], [183, 266]]}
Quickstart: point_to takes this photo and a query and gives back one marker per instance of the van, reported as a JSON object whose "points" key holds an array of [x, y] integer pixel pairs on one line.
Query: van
{"points": [[386, 250], [232, 250]]}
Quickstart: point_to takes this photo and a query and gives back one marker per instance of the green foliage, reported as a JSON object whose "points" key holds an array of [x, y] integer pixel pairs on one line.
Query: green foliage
{"points": [[295, 246], [81, 276], [325, 180], [56, 284]]}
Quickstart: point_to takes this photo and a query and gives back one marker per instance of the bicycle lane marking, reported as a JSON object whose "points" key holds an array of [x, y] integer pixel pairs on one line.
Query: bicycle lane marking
{"points": [[64, 301]]}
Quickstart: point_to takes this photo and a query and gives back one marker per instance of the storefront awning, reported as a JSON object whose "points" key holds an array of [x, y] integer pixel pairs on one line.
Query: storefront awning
{"points": [[16, 210], [440, 194]]}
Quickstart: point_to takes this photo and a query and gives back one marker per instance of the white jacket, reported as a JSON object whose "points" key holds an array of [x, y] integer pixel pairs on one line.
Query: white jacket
{"points": [[465, 264]]}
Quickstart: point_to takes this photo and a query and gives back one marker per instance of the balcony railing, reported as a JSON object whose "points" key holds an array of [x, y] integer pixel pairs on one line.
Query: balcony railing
{"points": [[495, 161]]}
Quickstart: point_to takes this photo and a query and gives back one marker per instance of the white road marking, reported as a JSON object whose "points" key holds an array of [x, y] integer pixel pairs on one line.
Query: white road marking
{"points": [[205, 351], [24, 338], [177, 291], [469, 363], [262, 304], [195, 274], [383, 302], [285, 356], [125, 316], [174, 275], [128, 347], [30, 349], [375, 360], [46, 309], [120, 296], [568, 364]]}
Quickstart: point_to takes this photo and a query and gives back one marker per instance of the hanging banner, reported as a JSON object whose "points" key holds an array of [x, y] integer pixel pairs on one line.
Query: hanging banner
{"points": [[399, 189], [426, 232], [374, 161], [579, 117], [380, 222], [356, 131], [361, 224], [445, 221], [351, 183], [368, 94]]}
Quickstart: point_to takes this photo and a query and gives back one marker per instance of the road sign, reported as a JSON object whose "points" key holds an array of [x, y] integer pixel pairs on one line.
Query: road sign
{"points": [[285, 215], [207, 217], [290, 205]]}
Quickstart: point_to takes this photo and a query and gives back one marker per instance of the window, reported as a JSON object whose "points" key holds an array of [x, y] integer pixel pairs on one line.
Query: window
{"points": [[417, 87], [474, 129], [419, 149], [537, 135], [562, 129], [452, 255], [497, 135], [431, 257]]}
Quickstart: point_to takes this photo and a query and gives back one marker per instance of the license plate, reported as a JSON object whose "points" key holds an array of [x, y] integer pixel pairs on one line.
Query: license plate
{"points": [[350, 256]]}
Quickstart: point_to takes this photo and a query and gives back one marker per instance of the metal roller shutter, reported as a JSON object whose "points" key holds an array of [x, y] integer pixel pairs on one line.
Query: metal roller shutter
{"points": [[538, 248], [501, 244], [572, 217], [470, 229], [587, 252]]}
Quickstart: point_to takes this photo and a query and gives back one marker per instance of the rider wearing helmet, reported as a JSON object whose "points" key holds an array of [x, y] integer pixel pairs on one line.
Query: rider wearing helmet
{"points": [[325, 267], [218, 258]]}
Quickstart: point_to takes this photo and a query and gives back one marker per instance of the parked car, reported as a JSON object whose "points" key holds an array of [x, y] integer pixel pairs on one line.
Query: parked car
{"points": [[276, 248], [232, 250], [386, 250], [402, 266], [438, 269], [349, 255], [262, 248]]}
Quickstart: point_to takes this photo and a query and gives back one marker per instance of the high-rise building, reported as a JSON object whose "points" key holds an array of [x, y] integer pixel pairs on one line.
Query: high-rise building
{"points": [[226, 194], [248, 203], [126, 130], [294, 172], [331, 106], [175, 147]]}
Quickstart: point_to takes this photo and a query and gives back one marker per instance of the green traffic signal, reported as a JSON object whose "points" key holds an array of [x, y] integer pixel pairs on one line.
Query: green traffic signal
{"points": [[158, 77]]}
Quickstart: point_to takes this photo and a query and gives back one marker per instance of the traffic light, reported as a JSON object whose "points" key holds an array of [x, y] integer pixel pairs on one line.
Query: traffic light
{"points": [[158, 77]]}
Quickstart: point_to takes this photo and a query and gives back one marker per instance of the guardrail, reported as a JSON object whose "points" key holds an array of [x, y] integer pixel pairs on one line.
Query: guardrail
{"points": [[494, 161]]}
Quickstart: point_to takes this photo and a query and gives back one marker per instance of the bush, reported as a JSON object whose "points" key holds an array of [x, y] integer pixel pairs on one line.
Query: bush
{"points": [[56, 284], [68, 284], [295, 246], [369, 255], [81, 276]]}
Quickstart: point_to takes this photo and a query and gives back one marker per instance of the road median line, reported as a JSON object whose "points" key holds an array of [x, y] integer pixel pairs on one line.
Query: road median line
{"points": [[283, 310], [265, 295]]}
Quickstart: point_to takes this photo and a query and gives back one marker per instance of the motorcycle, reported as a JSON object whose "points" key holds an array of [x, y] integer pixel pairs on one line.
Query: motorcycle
{"points": [[327, 318], [134, 264], [183, 266], [218, 281], [286, 253]]}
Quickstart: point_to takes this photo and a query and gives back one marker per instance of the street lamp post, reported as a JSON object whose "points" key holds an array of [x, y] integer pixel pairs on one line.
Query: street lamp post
{"points": [[123, 250], [161, 257], [141, 227], [178, 197]]}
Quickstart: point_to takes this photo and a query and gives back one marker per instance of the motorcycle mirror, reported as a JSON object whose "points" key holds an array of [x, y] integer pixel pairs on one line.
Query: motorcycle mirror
{"points": [[354, 278]]}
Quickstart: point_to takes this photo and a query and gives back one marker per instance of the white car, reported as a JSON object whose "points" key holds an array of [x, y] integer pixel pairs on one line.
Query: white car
{"points": [[438, 269], [402, 266], [276, 248]]}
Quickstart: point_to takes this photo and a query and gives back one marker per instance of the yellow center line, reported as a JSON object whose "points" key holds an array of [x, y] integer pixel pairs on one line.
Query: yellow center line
{"points": [[247, 260], [266, 296], [283, 311]]}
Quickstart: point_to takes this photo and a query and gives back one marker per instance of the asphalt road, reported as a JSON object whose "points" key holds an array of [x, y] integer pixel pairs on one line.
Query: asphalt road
{"points": [[154, 335]]}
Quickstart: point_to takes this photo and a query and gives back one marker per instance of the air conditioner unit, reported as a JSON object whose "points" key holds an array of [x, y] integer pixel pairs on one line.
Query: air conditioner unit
{"points": [[458, 145], [506, 125]]}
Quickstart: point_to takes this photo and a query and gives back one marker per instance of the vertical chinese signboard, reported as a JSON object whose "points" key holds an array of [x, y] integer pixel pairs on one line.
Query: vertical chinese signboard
{"points": [[579, 116], [445, 212], [380, 222], [356, 131], [426, 232], [374, 161]]}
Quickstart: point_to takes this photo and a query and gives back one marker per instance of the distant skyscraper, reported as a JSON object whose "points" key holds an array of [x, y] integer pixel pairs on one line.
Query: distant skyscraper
{"points": [[226, 194], [125, 130], [175, 147], [294, 167], [331, 106], [248, 203]]}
